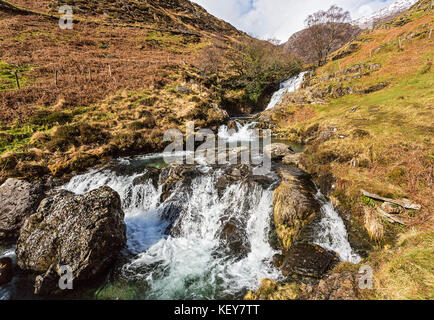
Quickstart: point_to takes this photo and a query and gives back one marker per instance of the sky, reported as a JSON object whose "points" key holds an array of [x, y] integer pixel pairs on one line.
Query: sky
{"points": [[279, 19]]}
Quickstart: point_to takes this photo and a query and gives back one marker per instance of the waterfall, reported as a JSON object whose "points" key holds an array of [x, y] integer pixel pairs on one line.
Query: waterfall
{"points": [[331, 233], [193, 264], [290, 85], [242, 133]]}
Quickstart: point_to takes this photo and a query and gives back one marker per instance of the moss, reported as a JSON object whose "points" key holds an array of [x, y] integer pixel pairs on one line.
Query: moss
{"points": [[271, 290], [7, 76], [75, 135], [120, 291], [50, 118], [366, 201]]}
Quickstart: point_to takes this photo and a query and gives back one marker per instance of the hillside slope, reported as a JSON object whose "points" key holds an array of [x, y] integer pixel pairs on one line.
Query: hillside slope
{"points": [[126, 72], [366, 118], [295, 43]]}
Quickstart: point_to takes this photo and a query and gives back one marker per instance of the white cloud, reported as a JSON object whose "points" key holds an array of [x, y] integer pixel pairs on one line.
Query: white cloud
{"points": [[281, 18]]}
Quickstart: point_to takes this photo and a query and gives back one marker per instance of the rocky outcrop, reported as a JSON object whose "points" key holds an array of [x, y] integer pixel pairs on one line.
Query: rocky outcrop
{"points": [[292, 159], [308, 260], [18, 200], [278, 150], [295, 206], [85, 232], [336, 286]]}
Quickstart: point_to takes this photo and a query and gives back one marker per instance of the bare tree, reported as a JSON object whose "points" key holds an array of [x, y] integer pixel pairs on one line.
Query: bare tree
{"points": [[325, 32], [274, 41]]}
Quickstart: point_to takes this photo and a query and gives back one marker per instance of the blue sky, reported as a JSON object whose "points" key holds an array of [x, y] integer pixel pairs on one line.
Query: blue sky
{"points": [[281, 18]]}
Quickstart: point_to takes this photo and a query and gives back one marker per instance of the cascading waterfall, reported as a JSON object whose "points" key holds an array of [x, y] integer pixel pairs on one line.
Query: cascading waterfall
{"points": [[192, 265], [242, 133], [195, 262], [331, 233], [288, 86]]}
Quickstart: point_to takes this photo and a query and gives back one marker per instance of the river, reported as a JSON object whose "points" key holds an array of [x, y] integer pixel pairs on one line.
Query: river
{"points": [[196, 262]]}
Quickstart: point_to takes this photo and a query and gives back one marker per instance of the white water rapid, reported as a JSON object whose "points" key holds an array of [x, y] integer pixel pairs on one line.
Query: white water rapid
{"points": [[245, 132], [288, 86], [331, 233], [192, 265], [218, 245]]}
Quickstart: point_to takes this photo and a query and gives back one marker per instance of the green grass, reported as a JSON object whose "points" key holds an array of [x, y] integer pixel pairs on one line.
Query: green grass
{"points": [[7, 76]]}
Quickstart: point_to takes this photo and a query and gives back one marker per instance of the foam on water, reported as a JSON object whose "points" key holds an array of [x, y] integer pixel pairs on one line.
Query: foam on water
{"points": [[192, 265], [245, 132], [288, 86]]}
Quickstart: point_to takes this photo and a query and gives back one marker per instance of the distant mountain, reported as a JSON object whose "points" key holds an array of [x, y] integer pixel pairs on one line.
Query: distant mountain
{"points": [[384, 14]]}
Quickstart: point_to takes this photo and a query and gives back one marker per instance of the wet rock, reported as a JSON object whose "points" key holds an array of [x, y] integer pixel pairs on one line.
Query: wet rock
{"points": [[308, 260], [6, 270], [233, 238], [18, 200], [150, 174], [295, 206], [264, 181], [278, 150], [278, 260], [170, 214], [85, 232], [175, 175]]}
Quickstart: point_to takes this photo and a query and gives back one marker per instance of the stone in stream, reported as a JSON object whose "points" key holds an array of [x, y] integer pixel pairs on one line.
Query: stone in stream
{"points": [[292, 159], [18, 200], [85, 232], [295, 206], [6, 270], [308, 260], [152, 174], [278, 150], [233, 238]]}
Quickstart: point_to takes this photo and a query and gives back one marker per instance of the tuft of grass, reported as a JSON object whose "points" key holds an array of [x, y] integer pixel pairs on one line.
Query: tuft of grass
{"points": [[406, 272]]}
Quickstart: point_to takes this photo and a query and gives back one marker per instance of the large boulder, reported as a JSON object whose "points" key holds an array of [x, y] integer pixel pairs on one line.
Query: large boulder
{"points": [[84, 232], [278, 150], [308, 260], [18, 200], [295, 206]]}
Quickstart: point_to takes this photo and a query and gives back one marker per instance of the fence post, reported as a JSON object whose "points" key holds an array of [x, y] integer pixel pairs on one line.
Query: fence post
{"points": [[110, 71], [17, 80], [55, 77]]}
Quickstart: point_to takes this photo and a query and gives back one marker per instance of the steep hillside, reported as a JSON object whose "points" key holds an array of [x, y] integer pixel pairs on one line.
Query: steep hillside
{"points": [[366, 118], [296, 42], [126, 72]]}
